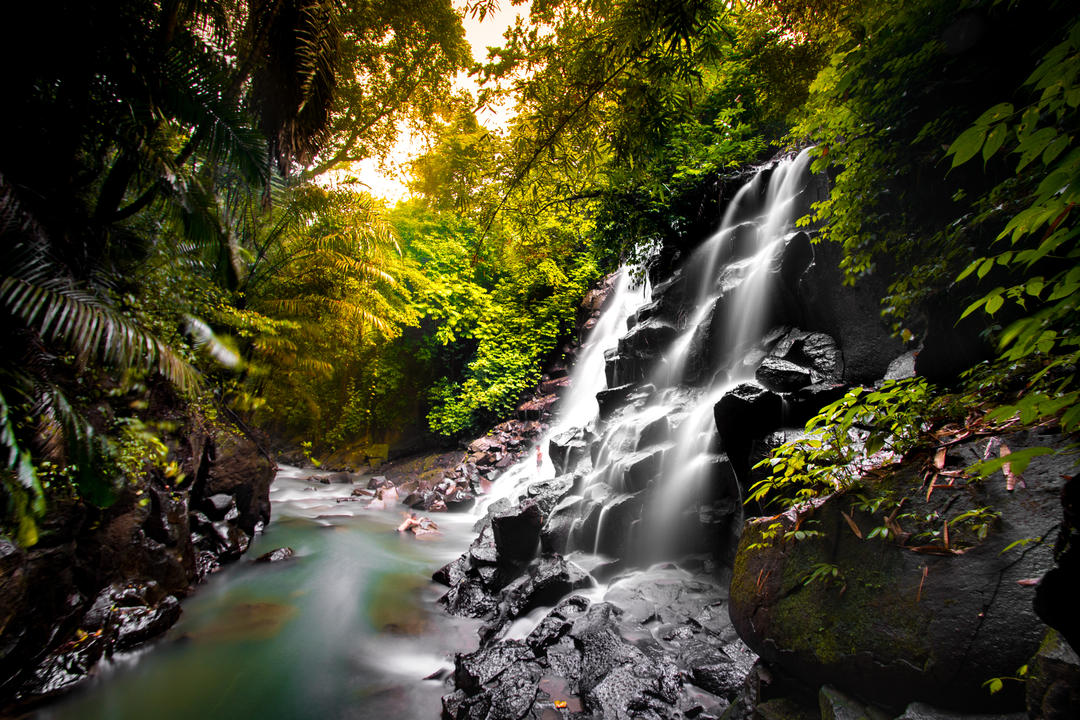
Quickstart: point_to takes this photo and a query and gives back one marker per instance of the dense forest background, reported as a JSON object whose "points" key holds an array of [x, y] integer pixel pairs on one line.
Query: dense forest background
{"points": [[177, 210]]}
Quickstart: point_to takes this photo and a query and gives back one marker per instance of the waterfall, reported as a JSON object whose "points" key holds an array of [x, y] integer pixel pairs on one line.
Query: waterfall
{"points": [[655, 462]]}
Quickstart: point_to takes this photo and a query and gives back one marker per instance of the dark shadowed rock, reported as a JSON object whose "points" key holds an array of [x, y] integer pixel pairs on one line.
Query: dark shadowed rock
{"points": [[747, 409], [909, 624], [516, 532], [613, 397], [781, 375], [1053, 681]]}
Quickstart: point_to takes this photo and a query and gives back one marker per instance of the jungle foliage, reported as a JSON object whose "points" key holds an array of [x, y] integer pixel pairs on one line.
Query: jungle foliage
{"points": [[176, 207]]}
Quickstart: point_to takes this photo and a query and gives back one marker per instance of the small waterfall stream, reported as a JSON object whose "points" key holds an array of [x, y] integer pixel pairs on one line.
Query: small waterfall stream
{"points": [[656, 458]]}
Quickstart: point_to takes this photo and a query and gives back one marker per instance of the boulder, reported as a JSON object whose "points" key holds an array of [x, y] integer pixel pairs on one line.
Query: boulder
{"points": [[566, 449], [782, 376], [747, 410], [1053, 681], [516, 532], [909, 619]]}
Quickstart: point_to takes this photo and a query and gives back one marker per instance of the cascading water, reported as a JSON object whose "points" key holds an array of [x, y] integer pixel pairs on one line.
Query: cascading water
{"points": [[662, 443], [579, 406]]}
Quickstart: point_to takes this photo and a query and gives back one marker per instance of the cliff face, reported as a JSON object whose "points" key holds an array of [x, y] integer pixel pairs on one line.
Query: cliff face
{"points": [[104, 580]]}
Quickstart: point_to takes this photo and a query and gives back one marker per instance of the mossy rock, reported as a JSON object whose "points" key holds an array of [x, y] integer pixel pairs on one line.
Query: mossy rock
{"points": [[899, 623]]}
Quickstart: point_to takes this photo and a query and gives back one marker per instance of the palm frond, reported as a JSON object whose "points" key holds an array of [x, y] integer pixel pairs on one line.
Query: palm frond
{"points": [[91, 329]]}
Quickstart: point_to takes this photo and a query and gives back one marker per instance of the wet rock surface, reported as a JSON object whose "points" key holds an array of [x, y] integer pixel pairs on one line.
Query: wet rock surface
{"points": [[659, 645]]}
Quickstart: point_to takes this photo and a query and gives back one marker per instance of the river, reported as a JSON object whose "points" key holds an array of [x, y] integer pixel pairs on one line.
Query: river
{"points": [[347, 628]]}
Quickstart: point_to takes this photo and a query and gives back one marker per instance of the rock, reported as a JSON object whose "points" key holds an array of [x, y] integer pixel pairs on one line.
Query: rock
{"points": [[895, 634], [276, 555], [549, 493], [639, 469], [748, 409], [613, 533], [547, 580], [516, 532], [459, 501], [816, 351], [849, 313], [556, 531], [221, 505], [835, 705], [1053, 681], [902, 367], [613, 397], [922, 711], [481, 667], [379, 482], [138, 624], [781, 375], [566, 449]]}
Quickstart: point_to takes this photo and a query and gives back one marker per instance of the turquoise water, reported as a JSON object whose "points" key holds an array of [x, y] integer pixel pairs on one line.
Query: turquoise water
{"points": [[348, 628]]}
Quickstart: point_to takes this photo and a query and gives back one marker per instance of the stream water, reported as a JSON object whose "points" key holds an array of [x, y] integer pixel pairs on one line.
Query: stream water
{"points": [[346, 629]]}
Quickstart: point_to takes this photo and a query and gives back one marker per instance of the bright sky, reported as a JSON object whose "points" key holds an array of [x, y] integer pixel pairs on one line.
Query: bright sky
{"points": [[390, 181]]}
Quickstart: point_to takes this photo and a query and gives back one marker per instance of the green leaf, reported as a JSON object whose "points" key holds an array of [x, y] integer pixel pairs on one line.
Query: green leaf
{"points": [[994, 303], [995, 114], [1054, 148], [1032, 146], [965, 146], [994, 140]]}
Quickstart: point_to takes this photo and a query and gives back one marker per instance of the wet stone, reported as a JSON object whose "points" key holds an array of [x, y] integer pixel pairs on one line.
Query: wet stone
{"points": [[781, 375], [278, 555]]}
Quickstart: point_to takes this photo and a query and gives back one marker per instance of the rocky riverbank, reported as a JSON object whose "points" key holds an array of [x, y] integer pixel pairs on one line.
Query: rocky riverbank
{"points": [[100, 581]]}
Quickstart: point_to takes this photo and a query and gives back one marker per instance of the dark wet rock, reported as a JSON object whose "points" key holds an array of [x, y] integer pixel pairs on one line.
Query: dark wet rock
{"points": [[459, 501], [748, 409], [655, 432], [516, 532], [481, 667], [613, 534], [639, 469], [835, 705], [452, 572], [220, 506], [1053, 680], [138, 624], [923, 711], [902, 367], [549, 493], [895, 634], [469, 598], [547, 579], [613, 397], [276, 555], [566, 449], [555, 534], [637, 351], [782, 375], [850, 314], [378, 482], [557, 623], [417, 499], [814, 350]]}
